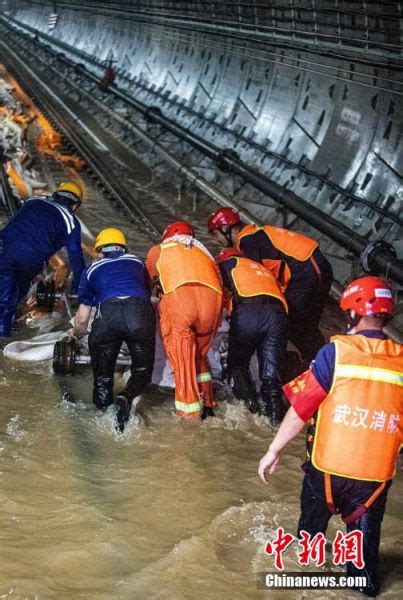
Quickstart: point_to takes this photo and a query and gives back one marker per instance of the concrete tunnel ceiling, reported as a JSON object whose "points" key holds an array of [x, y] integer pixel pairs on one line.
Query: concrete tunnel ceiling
{"points": [[308, 93]]}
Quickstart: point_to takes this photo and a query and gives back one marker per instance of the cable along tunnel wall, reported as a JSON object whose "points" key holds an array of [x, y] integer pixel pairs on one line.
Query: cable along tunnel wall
{"points": [[300, 118]]}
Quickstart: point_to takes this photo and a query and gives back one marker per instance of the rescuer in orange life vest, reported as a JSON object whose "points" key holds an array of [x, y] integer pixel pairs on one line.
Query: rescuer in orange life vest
{"points": [[304, 274], [190, 313], [258, 323], [352, 396]]}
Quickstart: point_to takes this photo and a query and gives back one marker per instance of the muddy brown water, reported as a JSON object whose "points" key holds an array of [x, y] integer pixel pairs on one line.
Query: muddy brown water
{"points": [[167, 510]]}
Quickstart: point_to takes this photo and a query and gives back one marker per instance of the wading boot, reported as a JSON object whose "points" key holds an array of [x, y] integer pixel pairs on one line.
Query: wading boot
{"points": [[273, 405], [123, 408], [252, 404], [207, 412]]}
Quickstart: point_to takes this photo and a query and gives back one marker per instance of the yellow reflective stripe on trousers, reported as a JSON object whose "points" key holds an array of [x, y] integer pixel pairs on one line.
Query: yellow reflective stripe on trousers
{"points": [[371, 373], [203, 377], [188, 408]]}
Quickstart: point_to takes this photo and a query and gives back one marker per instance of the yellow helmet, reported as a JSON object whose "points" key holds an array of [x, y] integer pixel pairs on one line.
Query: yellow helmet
{"points": [[73, 188], [110, 237]]}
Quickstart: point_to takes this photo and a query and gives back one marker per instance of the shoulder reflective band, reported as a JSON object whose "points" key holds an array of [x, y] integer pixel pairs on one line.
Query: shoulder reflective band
{"points": [[371, 373]]}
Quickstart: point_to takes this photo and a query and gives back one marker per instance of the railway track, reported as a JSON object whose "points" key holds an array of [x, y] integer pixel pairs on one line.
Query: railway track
{"points": [[145, 227], [94, 154], [94, 66], [190, 147], [116, 180], [85, 86]]}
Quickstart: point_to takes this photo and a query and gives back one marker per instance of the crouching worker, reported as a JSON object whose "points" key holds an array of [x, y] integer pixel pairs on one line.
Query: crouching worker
{"points": [[258, 323], [42, 226], [190, 313], [352, 396], [117, 284]]}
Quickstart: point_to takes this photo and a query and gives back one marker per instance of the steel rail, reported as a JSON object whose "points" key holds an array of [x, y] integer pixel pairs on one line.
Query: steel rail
{"points": [[102, 171], [227, 160], [238, 137], [187, 172]]}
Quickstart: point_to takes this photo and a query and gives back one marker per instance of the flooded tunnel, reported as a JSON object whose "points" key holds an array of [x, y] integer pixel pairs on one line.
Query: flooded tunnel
{"points": [[162, 111]]}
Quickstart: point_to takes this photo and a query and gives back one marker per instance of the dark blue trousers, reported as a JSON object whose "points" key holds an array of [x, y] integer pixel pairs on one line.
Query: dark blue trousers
{"points": [[259, 326], [15, 279]]}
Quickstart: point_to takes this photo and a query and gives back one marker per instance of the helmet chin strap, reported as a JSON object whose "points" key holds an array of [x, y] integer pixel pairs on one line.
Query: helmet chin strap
{"points": [[353, 319], [226, 230]]}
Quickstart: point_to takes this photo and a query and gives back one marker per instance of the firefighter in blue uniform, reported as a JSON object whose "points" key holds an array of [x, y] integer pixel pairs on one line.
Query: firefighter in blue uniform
{"points": [[118, 285], [43, 225]]}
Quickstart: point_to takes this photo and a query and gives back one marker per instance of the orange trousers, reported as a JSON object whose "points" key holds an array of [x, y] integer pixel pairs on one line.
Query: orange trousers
{"points": [[189, 318]]}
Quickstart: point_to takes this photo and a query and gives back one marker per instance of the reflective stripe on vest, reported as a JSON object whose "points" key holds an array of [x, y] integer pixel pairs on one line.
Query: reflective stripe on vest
{"points": [[195, 407], [252, 279], [288, 242], [179, 264], [371, 373], [359, 429]]}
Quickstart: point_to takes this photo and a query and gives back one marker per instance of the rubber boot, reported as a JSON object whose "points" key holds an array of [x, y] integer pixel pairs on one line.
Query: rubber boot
{"points": [[252, 403], [244, 388], [102, 394], [273, 405], [123, 408], [207, 412]]}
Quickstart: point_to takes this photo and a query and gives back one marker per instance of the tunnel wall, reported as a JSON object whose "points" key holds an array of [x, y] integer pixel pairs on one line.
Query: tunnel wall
{"points": [[339, 116]]}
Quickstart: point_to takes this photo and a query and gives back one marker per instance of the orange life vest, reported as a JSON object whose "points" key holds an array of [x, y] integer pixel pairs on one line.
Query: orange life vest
{"points": [[252, 279], [358, 428], [179, 264], [292, 244]]}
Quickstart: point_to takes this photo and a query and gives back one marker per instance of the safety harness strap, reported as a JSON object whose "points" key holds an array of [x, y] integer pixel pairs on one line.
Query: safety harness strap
{"points": [[360, 510], [328, 493], [315, 266], [364, 507]]}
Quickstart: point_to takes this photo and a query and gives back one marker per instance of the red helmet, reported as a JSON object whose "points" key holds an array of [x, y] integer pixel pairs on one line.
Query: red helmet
{"points": [[227, 253], [178, 228], [368, 296], [222, 216]]}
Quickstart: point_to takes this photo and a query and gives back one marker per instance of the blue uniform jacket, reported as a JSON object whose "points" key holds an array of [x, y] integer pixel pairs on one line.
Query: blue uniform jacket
{"points": [[40, 228], [118, 275], [324, 363]]}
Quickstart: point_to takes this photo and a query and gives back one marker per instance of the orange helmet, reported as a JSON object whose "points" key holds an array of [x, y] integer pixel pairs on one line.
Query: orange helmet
{"points": [[227, 253], [223, 216], [368, 296], [178, 228]]}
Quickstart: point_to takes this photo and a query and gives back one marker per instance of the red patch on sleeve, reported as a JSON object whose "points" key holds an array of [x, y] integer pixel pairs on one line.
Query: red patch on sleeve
{"points": [[305, 394]]}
